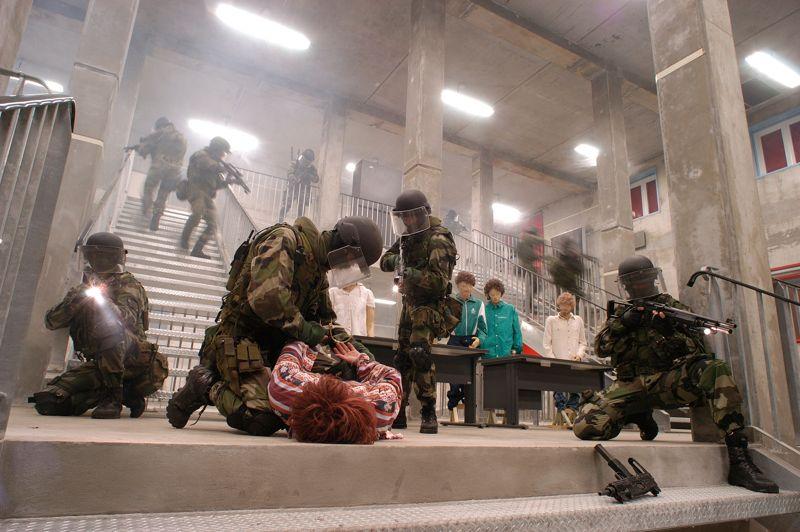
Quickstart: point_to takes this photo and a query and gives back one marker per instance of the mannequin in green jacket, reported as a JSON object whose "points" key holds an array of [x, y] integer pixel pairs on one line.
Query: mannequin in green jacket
{"points": [[504, 336]]}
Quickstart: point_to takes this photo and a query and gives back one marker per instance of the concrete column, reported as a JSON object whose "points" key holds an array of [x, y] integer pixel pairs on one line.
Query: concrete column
{"points": [[715, 210], [424, 113], [331, 162], [482, 192], [613, 179], [94, 83], [13, 19]]}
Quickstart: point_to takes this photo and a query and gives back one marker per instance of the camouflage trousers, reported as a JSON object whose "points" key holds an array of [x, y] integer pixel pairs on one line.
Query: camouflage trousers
{"points": [[202, 209], [86, 385], [419, 326], [165, 178], [698, 380]]}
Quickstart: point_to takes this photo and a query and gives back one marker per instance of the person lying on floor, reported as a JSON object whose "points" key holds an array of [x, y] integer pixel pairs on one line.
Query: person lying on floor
{"points": [[321, 408]]}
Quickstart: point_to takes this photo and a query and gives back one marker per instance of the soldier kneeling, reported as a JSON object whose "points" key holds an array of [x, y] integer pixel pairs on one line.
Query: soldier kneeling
{"points": [[107, 319], [663, 365]]}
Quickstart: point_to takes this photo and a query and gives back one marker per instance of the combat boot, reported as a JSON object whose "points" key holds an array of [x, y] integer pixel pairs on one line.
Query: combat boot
{"points": [[400, 421], [197, 250], [154, 223], [648, 428], [743, 472], [134, 401], [429, 424], [192, 396], [110, 407], [187, 232]]}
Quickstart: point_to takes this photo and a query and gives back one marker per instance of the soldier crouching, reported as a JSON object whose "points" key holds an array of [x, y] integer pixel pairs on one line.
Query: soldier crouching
{"points": [[663, 365], [107, 318]]}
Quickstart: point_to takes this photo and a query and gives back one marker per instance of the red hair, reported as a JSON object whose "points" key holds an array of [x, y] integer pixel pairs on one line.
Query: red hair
{"points": [[329, 412]]}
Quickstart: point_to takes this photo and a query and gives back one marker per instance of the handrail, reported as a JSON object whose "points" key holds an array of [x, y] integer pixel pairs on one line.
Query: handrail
{"points": [[708, 272], [23, 78]]}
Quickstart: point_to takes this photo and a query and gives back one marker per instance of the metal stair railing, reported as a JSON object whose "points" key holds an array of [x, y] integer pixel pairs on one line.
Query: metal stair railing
{"points": [[235, 223], [35, 133], [268, 194]]}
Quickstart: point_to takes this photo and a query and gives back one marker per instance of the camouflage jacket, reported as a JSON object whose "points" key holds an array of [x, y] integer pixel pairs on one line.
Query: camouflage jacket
{"points": [[83, 315], [428, 261], [280, 293], [165, 147], [204, 173], [302, 175], [648, 348]]}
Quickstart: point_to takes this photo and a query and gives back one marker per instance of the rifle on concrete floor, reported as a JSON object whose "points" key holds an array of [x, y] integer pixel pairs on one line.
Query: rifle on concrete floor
{"points": [[628, 486], [235, 176]]}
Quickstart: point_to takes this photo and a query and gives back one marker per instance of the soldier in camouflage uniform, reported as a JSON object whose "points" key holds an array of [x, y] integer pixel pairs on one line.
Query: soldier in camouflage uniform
{"points": [[278, 292], [107, 320], [566, 269], [166, 147], [302, 173], [663, 365], [205, 175], [423, 256]]}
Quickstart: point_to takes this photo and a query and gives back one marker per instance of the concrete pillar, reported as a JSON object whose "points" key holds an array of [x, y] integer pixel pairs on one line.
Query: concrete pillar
{"points": [[715, 210], [331, 159], [482, 192], [424, 113], [13, 19], [613, 179], [94, 83]]}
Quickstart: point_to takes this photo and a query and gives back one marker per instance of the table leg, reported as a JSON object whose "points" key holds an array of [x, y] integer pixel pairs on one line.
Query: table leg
{"points": [[512, 395], [470, 405]]}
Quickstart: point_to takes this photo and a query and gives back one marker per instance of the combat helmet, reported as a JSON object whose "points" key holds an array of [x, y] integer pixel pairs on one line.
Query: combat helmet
{"points": [[638, 277], [411, 213], [355, 244], [104, 252], [162, 122], [219, 145]]}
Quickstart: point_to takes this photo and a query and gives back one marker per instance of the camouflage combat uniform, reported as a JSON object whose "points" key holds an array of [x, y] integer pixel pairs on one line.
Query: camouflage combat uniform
{"points": [[657, 367], [429, 258], [280, 294], [298, 186], [112, 360], [166, 148], [204, 176]]}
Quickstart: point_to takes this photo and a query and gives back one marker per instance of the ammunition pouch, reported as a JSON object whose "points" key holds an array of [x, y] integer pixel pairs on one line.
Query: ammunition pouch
{"points": [[237, 356], [421, 358]]}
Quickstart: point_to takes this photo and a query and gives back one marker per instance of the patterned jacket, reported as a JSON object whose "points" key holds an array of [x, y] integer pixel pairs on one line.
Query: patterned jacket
{"points": [[651, 347], [204, 173], [380, 385], [126, 302]]}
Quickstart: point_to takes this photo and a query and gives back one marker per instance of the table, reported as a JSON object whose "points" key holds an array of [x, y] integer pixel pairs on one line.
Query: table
{"points": [[454, 365], [516, 382]]}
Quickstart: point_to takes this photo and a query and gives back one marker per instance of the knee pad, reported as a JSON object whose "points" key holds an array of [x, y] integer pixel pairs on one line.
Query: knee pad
{"points": [[52, 403], [421, 358]]}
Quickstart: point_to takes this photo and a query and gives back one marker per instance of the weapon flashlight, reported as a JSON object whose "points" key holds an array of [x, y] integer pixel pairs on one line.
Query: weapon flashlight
{"points": [[96, 293]]}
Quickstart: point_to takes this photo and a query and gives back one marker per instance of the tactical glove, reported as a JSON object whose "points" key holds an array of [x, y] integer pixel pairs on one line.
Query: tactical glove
{"points": [[632, 318]]}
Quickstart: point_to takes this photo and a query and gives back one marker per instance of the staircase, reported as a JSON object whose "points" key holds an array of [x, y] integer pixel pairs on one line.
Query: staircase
{"points": [[184, 291]]}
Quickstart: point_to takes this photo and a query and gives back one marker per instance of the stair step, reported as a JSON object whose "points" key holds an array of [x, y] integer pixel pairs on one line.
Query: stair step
{"points": [[136, 208], [167, 306], [155, 237], [137, 203], [163, 246], [181, 255], [169, 274], [676, 507], [172, 224], [210, 289], [177, 297], [148, 262], [177, 335], [185, 321], [143, 226]]}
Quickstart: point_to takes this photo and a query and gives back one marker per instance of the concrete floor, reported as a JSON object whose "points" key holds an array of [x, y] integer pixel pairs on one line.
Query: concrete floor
{"points": [[27, 425]]}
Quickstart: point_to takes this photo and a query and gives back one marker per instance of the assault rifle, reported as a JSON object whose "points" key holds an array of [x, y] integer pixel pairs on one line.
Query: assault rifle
{"points": [[677, 316], [628, 486], [235, 176]]}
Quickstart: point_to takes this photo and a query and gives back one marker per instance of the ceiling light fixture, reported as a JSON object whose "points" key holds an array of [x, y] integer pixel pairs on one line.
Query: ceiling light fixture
{"points": [[262, 28], [587, 150], [54, 86], [467, 104], [240, 141], [350, 167], [774, 69], [506, 214], [379, 301]]}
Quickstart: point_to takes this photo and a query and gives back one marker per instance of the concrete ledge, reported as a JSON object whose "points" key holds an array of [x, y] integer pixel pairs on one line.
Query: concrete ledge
{"points": [[676, 507], [132, 466]]}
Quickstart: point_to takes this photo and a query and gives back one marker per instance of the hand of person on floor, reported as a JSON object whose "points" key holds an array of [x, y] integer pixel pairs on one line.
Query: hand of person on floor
{"points": [[389, 435], [346, 352]]}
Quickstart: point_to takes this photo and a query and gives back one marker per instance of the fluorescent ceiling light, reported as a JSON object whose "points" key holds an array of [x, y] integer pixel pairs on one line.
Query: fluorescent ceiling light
{"points": [[587, 150], [774, 69], [54, 86], [379, 301], [350, 167], [506, 214], [467, 104], [262, 28], [240, 141]]}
